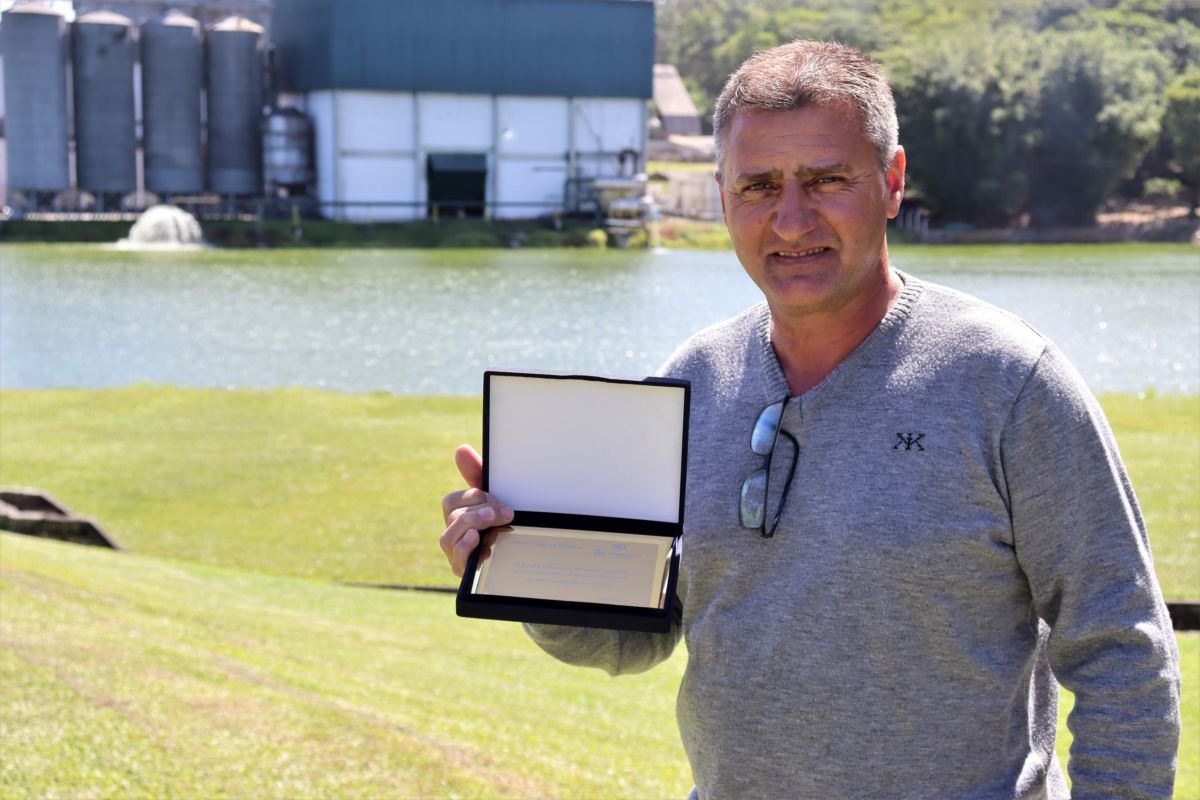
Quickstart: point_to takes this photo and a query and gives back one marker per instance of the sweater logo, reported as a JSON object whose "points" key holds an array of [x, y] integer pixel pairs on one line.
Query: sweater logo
{"points": [[909, 441]]}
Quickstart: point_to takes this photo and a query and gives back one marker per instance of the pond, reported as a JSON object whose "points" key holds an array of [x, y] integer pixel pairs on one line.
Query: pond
{"points": [[430, 322]]}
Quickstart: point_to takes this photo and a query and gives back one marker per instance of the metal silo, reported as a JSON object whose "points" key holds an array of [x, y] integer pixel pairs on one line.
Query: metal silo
{"points": [[235, 106], [105, 141], [172, 77], [34, 42]]}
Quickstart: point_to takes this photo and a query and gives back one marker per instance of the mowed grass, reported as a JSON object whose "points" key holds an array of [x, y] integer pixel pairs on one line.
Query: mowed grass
{"points": [[127, 676], [291, 482], [1159, 438], [219, 659], [347, 487]]}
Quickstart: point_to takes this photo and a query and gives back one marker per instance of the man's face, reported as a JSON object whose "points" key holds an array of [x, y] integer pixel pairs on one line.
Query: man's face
{"points": [[807, 205]]}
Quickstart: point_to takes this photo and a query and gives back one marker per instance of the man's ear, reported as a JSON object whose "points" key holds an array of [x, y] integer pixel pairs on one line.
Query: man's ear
{"points": [[721, 193], [894, 181]]}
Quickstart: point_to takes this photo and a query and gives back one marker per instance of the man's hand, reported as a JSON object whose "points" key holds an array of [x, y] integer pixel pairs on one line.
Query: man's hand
{"points": [[469, 511]]}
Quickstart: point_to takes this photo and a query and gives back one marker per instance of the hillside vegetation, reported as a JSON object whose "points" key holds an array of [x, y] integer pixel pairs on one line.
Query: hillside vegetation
{"points": [[1009, 109]]}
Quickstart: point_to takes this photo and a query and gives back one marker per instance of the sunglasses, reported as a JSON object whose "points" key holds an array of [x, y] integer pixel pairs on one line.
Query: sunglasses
{"points": [[764, 437]]}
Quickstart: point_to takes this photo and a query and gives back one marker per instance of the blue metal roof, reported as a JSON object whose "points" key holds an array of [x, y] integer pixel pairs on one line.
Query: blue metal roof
{"points": [[581, 48]]}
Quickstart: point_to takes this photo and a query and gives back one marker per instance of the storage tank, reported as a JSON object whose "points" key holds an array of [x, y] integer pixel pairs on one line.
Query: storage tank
{"points": [[287, 143], [235, 106], [172, 78], [34, 43], [105, 141]]}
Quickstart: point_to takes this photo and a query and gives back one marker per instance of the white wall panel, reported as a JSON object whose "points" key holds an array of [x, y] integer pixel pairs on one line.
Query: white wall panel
{"points": [[609, 125], [4, 199], [378, 179], [603, 166], [3, 144], [380, 122], [370, 147], [320, 110], [528, 181], [451, 122], [533, 125]]}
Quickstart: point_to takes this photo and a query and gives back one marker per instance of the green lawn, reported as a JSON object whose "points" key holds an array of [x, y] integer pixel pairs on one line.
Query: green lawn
{"points": [[294, 482], [128, 676], [1159, 439], [346, 487], [218, 659]]}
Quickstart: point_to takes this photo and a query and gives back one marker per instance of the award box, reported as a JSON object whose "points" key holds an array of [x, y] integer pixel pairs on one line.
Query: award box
{"points": [[594, 468]]}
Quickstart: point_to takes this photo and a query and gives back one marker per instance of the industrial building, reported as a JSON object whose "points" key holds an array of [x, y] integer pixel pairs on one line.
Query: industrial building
{"points": [[512, 105], [676, 111], [365, 110]]}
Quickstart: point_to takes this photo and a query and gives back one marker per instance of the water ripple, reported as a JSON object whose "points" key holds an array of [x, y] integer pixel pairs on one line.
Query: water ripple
{"points": [[422, 322]]}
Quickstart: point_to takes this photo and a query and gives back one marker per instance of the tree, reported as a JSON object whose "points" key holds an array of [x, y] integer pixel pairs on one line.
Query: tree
{"points": [[708, 39], [964, 108], [1006, 107], [1098, 114], [689, 33], [1181, 124]]}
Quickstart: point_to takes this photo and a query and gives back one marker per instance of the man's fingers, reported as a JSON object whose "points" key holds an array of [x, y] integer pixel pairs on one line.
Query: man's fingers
{"points": [[470, 465], [489, 541], [462, 520], [469, 512], [461, 552], [463, 529], [462, 499]]}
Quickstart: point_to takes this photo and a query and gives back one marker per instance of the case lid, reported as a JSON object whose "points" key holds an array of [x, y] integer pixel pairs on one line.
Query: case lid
{"points": [[585, 445]]}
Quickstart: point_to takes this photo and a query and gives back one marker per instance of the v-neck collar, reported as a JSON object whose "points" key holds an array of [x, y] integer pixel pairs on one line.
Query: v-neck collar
{"points": [[775, 383]]}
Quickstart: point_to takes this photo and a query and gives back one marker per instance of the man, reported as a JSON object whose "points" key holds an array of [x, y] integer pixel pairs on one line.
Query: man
{"points": [[904, 506]]}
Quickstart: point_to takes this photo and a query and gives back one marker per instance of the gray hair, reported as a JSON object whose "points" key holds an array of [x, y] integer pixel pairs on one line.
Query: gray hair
{"points": [[805, 73]]}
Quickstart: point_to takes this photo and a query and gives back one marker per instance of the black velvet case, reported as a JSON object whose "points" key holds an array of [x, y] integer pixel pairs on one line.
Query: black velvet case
{"points": [[595, 469]]}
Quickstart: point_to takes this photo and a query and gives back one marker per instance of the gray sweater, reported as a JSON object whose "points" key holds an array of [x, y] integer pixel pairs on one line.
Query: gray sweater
{"points": [[960, 523]]}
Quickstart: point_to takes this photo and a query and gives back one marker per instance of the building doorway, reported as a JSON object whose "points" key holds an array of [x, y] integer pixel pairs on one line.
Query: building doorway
{"points": [[457, 184]]}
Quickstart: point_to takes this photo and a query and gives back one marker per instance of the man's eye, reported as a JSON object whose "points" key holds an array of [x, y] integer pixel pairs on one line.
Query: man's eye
{"points": [[756, 188], [826, 180]]}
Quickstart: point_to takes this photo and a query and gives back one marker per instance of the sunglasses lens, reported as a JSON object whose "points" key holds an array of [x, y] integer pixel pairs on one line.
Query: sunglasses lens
{"points": [[754, 495], [763, 436]]}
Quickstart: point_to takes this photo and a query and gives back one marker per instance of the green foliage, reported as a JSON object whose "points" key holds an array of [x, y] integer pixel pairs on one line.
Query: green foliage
{"points": [[1181, 125], [1099, 113], [708, 39], [232, 234], [694, 235], [964, 110], [544, 238], [597, 238], [1162, 188], [1007, 107], [468, 239]]}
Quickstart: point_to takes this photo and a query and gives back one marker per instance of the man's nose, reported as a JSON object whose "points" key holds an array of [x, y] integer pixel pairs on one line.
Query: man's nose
{"points": [[794, 212]]}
